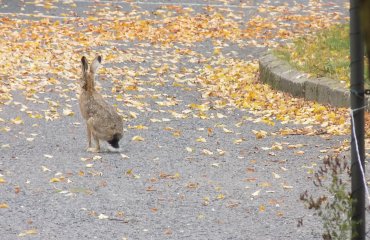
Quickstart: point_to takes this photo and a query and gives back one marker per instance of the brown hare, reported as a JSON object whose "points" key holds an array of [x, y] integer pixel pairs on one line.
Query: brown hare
{"points": [[102, 120]]}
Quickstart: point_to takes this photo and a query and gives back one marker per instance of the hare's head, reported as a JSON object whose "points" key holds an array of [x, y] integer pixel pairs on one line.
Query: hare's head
{"points": [[88, 76]]}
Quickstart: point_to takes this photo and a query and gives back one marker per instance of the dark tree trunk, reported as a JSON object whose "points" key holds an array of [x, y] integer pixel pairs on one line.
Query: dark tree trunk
{"points": [[365, 27]]}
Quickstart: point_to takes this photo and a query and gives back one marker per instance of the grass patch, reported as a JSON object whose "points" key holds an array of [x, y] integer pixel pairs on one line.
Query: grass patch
{"points": [[325, 54]]}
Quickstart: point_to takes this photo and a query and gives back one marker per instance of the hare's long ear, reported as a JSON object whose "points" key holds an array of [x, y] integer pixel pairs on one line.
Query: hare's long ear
{"points": [[95, 64], [85, 65]]}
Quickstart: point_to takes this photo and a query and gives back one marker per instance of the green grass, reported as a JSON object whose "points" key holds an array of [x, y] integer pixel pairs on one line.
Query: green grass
{"points": [[325, 54]]}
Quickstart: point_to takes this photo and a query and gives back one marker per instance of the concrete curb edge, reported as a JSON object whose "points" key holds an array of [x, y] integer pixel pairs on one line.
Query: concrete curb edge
{"points": [[281, 76]]}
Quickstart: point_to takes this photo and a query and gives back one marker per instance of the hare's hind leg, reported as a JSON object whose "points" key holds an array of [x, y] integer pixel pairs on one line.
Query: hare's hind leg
{"points": [[89, 133], [97, 145]]}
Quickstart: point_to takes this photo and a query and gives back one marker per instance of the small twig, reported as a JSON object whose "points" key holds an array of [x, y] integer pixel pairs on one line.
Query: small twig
{"points": [[118, 220]]}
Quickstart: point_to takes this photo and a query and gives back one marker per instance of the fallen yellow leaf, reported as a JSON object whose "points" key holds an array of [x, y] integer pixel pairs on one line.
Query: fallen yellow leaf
{"points": [[256, 193], [201, 139], [277, 176], [102, 216], [238, 141], [220, 196], [45, 169], [189, 149], [262, 208], [137, 138], [221, 152], [17, 120], [28, 232], [207, 152], [299, 152], [265, 184], [220, 115], [4, 205], [54, 180], [68, 112], [227, 130], [260, 134], [139, 127]]}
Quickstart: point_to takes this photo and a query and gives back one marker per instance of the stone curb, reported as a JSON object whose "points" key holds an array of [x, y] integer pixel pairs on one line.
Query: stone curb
{"points": [[281, 76]]}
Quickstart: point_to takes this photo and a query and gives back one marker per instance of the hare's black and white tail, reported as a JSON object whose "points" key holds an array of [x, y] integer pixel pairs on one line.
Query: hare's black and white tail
{"points": [[115, 140]]}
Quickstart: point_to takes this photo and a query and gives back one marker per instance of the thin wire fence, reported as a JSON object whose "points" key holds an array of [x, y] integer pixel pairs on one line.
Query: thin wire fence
{"points": [[352, 111]]}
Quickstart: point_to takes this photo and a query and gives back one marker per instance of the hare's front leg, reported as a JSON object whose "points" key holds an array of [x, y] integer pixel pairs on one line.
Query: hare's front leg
{"points": [[89, 133], [88, 136], [97, 145], [96, 149]]}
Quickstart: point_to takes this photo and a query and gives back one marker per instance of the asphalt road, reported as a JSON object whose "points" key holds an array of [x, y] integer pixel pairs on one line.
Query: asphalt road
{"points": [[186, 180]]}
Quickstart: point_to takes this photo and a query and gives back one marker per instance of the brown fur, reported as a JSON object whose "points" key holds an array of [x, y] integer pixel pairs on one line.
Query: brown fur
{"points": [[102, 120]]}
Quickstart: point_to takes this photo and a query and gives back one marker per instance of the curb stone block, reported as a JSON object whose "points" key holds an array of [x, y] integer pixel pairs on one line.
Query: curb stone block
{"points": [[345, 100], [281, 76], [311, 91], [327, 93], [267, 58], [324, 90], [291, 80]]}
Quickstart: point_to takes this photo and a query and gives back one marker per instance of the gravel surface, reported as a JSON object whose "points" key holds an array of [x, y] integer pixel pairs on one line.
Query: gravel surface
{"points": [[186, 180]]}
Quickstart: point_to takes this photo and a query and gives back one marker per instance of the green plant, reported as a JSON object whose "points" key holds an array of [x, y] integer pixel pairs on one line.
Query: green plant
{"points": [[334, 207], [325, 54]]}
